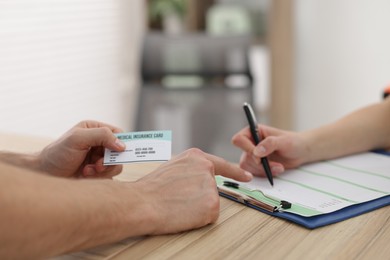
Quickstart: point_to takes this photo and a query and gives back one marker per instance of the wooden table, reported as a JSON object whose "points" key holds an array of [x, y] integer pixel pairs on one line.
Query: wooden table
{"points": [[241, 232]]}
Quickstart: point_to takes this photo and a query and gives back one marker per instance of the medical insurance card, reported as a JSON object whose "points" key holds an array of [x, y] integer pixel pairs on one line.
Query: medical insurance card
{"points": [[145, 146]]}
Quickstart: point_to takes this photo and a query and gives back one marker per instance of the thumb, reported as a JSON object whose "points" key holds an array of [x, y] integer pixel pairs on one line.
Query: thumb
{"points": [[266, 147], [102, 136]]}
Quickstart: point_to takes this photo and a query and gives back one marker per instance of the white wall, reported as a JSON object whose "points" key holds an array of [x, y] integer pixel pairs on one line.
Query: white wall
{"points": [[342, 57], [66, 60]]}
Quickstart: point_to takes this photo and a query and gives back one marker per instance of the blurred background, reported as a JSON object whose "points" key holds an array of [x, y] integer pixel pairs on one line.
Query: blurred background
{"points": [[188, 65]]}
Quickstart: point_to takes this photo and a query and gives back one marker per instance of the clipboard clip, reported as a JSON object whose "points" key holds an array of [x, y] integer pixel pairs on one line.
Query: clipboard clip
{"points": [[246, 199]]}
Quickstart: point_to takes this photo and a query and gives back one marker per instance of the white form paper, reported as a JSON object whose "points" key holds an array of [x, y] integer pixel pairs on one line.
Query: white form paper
{"points": [[330, 185]]}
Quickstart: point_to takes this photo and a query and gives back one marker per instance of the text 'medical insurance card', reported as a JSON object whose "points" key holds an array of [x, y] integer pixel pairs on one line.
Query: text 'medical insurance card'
{"points": [[147, 146]]}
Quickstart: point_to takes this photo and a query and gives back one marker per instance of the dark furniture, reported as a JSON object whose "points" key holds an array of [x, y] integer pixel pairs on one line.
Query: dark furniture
{"points": [[195, 85]]}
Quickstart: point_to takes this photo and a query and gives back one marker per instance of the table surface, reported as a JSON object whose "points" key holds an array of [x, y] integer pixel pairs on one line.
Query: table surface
{"points": [[241, 232]]}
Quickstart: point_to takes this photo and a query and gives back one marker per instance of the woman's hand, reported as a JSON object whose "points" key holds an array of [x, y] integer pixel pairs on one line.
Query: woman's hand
{"points": [[284, 149]]}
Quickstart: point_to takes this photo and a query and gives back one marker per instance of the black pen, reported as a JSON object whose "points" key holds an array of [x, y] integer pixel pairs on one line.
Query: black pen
{"points": [[250, 115]]}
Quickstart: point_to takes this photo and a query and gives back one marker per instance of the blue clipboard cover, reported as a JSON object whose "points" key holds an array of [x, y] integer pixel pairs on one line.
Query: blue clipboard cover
{"points": [[319, 220], [234, 193]]}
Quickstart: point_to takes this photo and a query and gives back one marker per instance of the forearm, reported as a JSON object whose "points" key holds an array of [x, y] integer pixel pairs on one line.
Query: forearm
{"points": [[28, 161], [70, 215], [362, 130]]}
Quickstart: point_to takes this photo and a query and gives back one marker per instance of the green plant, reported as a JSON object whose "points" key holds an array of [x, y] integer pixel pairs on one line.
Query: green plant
{"points": [[160, 8]]}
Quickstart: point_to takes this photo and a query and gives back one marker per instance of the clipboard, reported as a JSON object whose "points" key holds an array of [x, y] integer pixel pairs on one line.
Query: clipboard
{"points": [[289, 210]]}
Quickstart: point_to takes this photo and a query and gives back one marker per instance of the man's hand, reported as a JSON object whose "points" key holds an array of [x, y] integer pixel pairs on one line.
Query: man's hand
{"points": [[182, 193], [79, 152]]}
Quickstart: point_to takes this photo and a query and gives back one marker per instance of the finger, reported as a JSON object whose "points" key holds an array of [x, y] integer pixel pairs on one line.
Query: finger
{"points": [[97, 124], [258, 169], [276, 168], [99, 166], [94, 171], [244, 140], [107, 169], [266, 147], [89, 171], [252, 169], [97, 137], [249, 163], [110, 171], [272, 139], [270, 131], [224, 168]]}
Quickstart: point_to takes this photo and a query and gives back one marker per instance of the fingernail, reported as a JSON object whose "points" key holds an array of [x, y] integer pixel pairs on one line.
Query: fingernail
{"points": [[249, 175], [89, 171], [276, 170], [259, 151], [120, 144], [100, 168], [256, 159]]}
